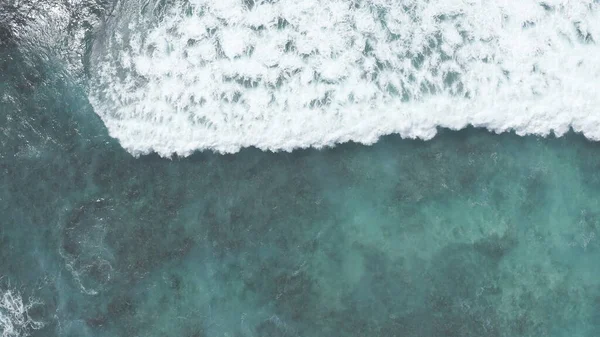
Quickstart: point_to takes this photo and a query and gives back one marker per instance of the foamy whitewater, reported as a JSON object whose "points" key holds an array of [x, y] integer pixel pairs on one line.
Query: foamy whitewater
{"points": [[14, 315], [279, 75]]}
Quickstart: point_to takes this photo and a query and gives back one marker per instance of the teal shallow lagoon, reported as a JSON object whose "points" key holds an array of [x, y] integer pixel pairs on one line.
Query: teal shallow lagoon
{"points": [[469, 234]]}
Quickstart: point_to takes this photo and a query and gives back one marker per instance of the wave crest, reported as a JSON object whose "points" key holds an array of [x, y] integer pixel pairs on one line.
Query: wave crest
{"points": [[279, 75]]}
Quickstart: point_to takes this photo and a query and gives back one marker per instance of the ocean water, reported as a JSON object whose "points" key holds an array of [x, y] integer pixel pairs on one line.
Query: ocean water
{"points": [[468, 233]]}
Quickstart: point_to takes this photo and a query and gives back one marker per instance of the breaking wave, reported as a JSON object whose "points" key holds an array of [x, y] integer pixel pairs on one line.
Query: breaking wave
{"points": [[174, 77]]}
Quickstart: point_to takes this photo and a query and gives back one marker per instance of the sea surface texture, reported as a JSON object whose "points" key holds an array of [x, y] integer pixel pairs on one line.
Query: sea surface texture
{"points": [[466, 234]]}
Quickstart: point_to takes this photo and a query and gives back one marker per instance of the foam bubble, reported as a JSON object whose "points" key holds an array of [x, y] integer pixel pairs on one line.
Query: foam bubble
{"points": [[14, 315], [279, 75]]}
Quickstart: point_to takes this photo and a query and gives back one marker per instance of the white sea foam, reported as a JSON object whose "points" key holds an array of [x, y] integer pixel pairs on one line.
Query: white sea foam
{"points": [[14, 315], [279, 75]]}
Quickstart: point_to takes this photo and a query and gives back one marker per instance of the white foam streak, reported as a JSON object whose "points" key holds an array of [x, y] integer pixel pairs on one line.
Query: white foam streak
{"points": [[280, 75], [14, 315]]}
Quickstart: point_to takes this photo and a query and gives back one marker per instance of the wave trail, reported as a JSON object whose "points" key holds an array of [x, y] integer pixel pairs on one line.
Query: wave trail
{"points": [[278, 75]]}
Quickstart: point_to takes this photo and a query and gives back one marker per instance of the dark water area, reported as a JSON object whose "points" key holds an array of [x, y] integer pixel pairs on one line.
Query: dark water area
{"points": [[469, 234]]}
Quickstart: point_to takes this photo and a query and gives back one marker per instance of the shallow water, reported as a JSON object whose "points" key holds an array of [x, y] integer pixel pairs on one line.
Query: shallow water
{"points": [[469, 234]]}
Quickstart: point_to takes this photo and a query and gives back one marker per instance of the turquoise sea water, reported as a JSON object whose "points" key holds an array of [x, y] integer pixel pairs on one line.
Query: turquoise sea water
{"points": [[469, 234]]}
